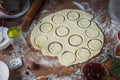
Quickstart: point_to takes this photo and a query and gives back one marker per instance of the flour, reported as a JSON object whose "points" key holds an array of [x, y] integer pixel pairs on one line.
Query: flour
{"points": [[49, 63], [54, 77], [74, 76], [45, 11]]}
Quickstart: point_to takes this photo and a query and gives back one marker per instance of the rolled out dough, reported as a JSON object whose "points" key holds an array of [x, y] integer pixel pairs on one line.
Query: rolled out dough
{"points": [[69, 34]]}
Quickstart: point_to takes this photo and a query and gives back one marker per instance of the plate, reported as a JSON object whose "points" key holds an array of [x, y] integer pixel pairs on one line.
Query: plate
{"points": [[7, 40], [4, 71], [25, 8]]}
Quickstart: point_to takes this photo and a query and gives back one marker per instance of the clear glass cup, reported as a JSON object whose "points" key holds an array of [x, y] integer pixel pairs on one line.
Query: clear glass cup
{"points": [[114, 10], [18, 41], [13, 61], [20, 48]]}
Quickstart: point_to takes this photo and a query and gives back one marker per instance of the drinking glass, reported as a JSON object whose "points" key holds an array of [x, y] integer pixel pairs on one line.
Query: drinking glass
{"points": [[20, 48], [114, 10], [18, 41]]}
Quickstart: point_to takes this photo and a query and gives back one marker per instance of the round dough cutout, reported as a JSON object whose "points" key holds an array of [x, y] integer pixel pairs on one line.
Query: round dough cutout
{"points": [[92, 32], [75, 40], [68, 58], [95, 44], [40, 39], [62, 31], [58, 18], [46, 27], [83, 53], [55, 47], [72, 15], [84, 23]]}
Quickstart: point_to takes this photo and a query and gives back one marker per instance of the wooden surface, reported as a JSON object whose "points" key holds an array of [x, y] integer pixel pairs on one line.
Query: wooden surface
{"points": [[98, 8]]}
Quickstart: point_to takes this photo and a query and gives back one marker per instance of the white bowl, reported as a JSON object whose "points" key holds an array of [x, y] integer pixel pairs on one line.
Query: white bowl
{"points": [[25, 8], [4, 71], [7, 40]]}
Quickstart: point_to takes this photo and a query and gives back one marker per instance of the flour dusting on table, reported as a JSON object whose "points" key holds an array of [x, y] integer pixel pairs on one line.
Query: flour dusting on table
{"points": [[109, 28]]}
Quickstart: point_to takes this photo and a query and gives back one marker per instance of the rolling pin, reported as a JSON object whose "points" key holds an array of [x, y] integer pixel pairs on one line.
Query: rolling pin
{"points": [[29, 16]]}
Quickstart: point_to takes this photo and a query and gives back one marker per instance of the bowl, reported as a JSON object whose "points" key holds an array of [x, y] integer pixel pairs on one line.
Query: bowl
{"points": [[7, 40], [4, 71], [23, 11], [94, 71]]}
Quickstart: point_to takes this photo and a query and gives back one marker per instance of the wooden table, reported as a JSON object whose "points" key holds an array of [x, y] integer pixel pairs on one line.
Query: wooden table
{"points": [[98, 8]]}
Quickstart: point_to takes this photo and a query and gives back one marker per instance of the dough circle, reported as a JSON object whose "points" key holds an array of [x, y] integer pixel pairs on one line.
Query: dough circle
{"points": [[92, 32], [58, 18], [46, 27], [75, 40], [70, 35], [84, 23], [55, 47], [73, 15], [95, 44], [62, 31], [40, 39], [83, 53], [68, 58]]}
